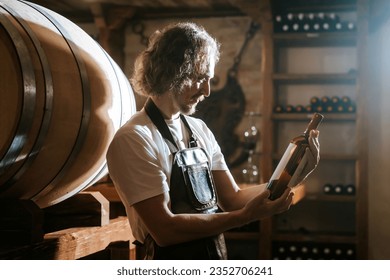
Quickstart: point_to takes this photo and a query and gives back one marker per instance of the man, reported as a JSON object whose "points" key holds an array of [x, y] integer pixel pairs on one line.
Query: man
{"points": [[175, 72]]}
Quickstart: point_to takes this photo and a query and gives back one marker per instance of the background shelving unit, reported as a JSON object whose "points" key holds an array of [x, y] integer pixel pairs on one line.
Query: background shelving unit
{"points": [[296, 67]]}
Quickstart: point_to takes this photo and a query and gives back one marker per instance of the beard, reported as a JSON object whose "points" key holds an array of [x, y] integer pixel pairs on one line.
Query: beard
{"points": [[187, 107]]}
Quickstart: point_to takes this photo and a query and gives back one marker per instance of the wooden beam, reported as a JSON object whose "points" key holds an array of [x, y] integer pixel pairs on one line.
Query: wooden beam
{"points": [[75, 243], [98, 15]]}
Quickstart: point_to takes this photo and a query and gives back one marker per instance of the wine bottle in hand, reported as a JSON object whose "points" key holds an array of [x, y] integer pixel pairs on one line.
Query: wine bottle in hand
{"points": [[290, 160]]}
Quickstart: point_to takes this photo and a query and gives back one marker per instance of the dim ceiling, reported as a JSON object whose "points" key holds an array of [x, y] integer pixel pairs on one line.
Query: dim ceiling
{"points": [[111, 13], [91, 10]]}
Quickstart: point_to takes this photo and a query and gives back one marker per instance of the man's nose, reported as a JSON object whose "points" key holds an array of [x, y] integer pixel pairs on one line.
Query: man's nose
{"points": [[206, 88]]}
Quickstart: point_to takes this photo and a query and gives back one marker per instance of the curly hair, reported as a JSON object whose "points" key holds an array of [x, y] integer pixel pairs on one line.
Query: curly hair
{"points": [[175, 57]]}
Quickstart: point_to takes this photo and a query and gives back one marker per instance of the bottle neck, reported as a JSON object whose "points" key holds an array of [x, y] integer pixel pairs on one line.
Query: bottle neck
{"points": [[313, 124]]}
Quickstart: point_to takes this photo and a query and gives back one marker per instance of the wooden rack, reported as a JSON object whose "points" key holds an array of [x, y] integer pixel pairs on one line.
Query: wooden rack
{"points": [[89, 225]]}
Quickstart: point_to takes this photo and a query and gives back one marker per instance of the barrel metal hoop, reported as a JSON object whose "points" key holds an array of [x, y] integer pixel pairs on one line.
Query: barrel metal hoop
{"points": [[29, 97], [48, 104], [86, 91]]}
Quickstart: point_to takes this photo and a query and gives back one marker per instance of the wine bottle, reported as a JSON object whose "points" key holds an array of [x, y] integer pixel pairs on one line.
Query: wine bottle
{"points": [[290, 160], [326, 26], [336, 104], [315, 103], [300, 109], [350, 189], [278, 23], [287, 25], [347, 104], [317, 27], [338, 26], [279, 109], [306, 27], [328, 188], [296, 27], [325, 101], [332, 20], [326, 105], [308, 22], [308, 108], [351, 108], [290, 109], [338, 189], [351, 26]]}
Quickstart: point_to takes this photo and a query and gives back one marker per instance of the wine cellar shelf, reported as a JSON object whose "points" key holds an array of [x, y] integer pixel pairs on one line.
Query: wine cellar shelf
{"points": [[330, 221]]}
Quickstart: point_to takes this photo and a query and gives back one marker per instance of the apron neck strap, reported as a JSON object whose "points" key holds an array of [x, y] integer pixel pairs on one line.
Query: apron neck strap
{"points": [[158, 120]]}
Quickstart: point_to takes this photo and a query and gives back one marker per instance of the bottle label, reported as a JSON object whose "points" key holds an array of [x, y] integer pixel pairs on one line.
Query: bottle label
{"points": [[283, 162]]}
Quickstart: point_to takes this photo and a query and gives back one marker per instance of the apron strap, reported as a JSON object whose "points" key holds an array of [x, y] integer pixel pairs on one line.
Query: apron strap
{"points": [[158, 120]]}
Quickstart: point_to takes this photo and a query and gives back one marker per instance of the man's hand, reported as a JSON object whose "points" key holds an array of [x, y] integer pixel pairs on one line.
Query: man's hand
{"points": [[261, 207]]}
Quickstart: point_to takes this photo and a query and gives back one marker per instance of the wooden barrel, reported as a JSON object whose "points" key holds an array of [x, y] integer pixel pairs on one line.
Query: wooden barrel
{"points": [[62, 99]]}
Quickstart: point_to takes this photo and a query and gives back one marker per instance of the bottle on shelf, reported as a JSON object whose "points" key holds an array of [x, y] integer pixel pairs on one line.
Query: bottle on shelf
{"points": [[338, 189], [338, 26], [300, 109], [335, 100], [306, 27], [345, 26], [281, 178], [325, 101], [324, 22], [308, 22], [351, 108], [328, 188], [296, 27], [332, 19], [278, 23], [315, 104], [290, 109], [308, 108], [325, 105], [301, 17], [350, 189], [290, 17], [320, 21], [279, 109], [317, 27], [325, 26], [351, 26], [336, 104], [287, 25], [347, 105]]}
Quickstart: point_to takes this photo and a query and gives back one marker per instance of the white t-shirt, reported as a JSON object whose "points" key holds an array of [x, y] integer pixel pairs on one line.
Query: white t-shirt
{"points": [[140, 162]]}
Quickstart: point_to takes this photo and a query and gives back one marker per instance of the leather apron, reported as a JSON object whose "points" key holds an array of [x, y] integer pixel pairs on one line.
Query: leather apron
{"points": [[191, 191]]}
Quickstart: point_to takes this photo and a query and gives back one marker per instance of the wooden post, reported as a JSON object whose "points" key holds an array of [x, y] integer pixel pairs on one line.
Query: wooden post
{"points": [[81, 210]]}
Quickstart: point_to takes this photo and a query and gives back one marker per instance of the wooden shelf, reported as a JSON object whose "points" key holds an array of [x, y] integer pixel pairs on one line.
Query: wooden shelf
{"points": [[313, 6], [312, 237], [289, 78], [331, 198], [307, 116], [283, 78], [334, 39]]}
